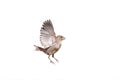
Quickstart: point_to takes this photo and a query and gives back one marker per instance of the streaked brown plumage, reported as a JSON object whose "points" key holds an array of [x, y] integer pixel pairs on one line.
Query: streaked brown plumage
{"points": [[49, 40]]}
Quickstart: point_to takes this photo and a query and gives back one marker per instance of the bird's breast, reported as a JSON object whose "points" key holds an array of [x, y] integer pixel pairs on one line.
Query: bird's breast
{"points": [[53, 49], [56, 48], [57, 45]]}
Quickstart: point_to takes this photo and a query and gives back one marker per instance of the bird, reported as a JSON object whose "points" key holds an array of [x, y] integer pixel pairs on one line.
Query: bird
{"points": [[50, 41]]}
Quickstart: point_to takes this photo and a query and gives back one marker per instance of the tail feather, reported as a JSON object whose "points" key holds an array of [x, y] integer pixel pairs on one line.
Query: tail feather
{"points": [[39, 48]]}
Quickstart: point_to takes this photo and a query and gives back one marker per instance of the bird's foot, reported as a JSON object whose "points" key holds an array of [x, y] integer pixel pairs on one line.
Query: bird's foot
{"points": [[52, 62], [56, 59]]}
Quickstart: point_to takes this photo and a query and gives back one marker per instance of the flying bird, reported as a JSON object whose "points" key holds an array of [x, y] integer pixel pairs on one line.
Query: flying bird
{"points": [[50, 42]]}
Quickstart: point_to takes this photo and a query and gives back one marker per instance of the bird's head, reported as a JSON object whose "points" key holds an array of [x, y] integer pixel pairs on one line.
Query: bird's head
{"points": [[59, 37]]}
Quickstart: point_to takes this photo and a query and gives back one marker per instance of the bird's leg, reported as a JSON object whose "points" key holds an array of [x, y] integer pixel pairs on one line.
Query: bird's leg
{"points": [[55, 58], [50, 59]]}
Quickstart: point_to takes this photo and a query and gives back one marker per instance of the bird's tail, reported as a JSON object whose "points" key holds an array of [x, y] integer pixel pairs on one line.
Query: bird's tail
{"points": [[39, 48]]}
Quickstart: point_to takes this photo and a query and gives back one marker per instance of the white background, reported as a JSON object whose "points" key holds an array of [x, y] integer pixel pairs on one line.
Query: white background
{"points": [[91, 50]]}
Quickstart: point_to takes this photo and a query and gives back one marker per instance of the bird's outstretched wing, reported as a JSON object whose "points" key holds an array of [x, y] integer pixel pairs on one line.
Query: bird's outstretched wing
{"points": [[47, 36]]}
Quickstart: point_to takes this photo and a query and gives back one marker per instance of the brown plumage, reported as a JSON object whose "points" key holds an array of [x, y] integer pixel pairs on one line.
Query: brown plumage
{"points": [[49, 40]]}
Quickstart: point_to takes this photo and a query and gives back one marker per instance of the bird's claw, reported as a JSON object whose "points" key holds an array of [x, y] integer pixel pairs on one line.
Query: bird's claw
{"points": [[56, 59], [52, 62]]}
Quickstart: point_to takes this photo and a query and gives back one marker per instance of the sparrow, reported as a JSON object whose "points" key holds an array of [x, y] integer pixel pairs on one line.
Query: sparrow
{"points": [[50, 42]]}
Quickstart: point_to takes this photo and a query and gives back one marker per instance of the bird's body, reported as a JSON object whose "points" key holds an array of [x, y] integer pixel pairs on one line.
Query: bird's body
{"points": [[49, 40], [49, 50]]}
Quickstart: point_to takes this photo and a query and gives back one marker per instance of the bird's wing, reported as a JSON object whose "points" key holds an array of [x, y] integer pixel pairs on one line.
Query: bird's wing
{"points": [[47, 36]]}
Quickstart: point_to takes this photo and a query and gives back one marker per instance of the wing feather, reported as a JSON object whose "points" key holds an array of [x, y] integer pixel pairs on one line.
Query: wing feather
{"points": [[47, 36]]}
